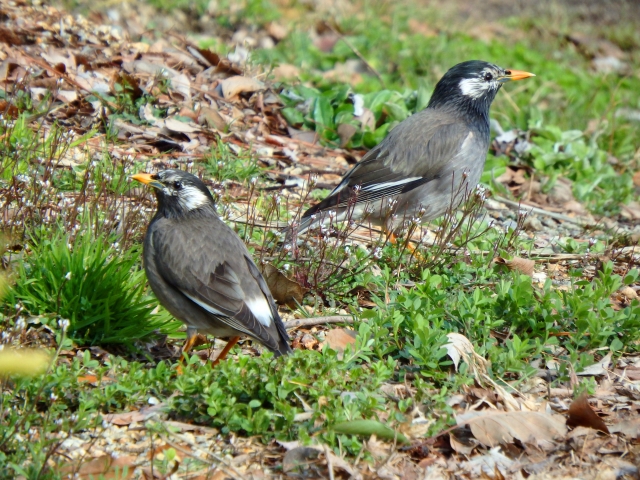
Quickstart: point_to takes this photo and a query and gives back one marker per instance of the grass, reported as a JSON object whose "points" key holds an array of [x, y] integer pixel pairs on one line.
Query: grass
{"points": [[94, 284], [74, 231]]}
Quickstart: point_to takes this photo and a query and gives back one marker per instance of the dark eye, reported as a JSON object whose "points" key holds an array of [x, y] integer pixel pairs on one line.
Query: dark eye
{"points": [[177, 185], [488, 77]]}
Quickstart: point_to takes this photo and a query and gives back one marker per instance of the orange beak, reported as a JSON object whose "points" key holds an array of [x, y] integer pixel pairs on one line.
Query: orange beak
{"points": [[516, 75], [147, 179]]}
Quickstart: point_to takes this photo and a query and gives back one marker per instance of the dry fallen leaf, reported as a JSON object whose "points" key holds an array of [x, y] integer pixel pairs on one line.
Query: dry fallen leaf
{"points": [[285, 291], [213, 118], [284, 72], [105, 467], [346, 131], [339, 338], [629, 428], [462, 442], [518, 264], [599, 368], [492, 428], [233, 86], [460, 348], [582, 415], [127, 418]]}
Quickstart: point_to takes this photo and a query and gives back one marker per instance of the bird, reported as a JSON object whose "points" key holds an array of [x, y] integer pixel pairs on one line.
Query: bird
{"points": [[201, 271], [426, 163]]}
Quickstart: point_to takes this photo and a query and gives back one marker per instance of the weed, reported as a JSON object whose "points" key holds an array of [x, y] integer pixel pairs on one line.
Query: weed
{"points": [[225, 165], [91, 282]]}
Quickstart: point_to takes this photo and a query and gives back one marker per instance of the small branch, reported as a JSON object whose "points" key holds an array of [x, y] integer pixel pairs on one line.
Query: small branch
{"points": [[540, 211], [327, 454], [310, 322]]}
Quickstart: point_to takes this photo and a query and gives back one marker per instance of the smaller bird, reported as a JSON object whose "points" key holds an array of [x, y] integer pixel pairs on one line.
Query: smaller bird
{"points": [[426, 163], [201, 271]]}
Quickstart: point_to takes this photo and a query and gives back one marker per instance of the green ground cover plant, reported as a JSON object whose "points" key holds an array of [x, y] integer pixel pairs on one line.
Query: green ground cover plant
{"points": [[73, 231]]}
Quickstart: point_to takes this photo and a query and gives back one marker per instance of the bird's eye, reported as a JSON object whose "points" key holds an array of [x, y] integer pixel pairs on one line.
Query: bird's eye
{"points": [[488, 77], [177, 185]]}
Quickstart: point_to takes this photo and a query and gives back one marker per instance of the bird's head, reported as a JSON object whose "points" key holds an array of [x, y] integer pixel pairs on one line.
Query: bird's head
{"points": [[473, 85], [178, 192]]}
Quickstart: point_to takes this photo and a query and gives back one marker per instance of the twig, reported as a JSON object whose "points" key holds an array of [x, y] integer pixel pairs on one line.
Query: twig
{"points": [[540, 211], [358, 54], [544, 257], [309, 322], [327, 455]]}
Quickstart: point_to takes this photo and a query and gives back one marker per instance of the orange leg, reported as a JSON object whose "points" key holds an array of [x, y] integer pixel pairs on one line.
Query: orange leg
{"points": [[193, 339], [393, 239], [230, 344], [189, 344]]}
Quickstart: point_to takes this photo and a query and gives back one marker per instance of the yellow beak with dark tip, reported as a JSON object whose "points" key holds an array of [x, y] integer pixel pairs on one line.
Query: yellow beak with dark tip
{"points": [[516, 75], [148, 179]]}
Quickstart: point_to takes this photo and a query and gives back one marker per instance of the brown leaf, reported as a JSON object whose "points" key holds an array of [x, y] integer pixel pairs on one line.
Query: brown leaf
{"points": [[234, 86], [284, 72], [630, 373], [636, 178], [212, 117], [302, 135], [277, 31], [522, 265], [339, 338], [93, 379], [9, 37], [346, 131], [105, 467], [582, 415], [308, 341], [180, 87], [207, 57], [180, 127], [285, 291], [129, 84], [462, 442], [630, 211], [8, 110], [492, 428], [511, 176], [127, 418], [629, 428]]}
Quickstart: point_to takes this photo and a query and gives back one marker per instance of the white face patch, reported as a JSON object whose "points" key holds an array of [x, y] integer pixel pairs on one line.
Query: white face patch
{"points": [[190, 197], [476, 87]]}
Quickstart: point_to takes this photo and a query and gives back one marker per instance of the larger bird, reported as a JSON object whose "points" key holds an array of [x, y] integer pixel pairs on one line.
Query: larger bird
{"points": [[201, 271], [427, 162]]}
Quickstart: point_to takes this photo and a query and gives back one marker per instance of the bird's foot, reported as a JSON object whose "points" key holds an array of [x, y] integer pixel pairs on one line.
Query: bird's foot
{"points": [[225, 351], [393, 239]]}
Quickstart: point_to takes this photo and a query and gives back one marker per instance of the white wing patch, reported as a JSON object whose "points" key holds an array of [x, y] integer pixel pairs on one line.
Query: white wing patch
{"points": [[206, 306], [386, 185], [260, 309], [191, 198], [474, 87], [258, 306]]}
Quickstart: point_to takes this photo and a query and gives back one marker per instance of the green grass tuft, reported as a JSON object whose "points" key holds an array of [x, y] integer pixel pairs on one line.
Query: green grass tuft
{"points": [[87, 280]]}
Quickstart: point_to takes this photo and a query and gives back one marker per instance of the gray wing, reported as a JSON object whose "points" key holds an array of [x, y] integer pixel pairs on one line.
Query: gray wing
{"points": [[225, 286], [415, 152]]}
